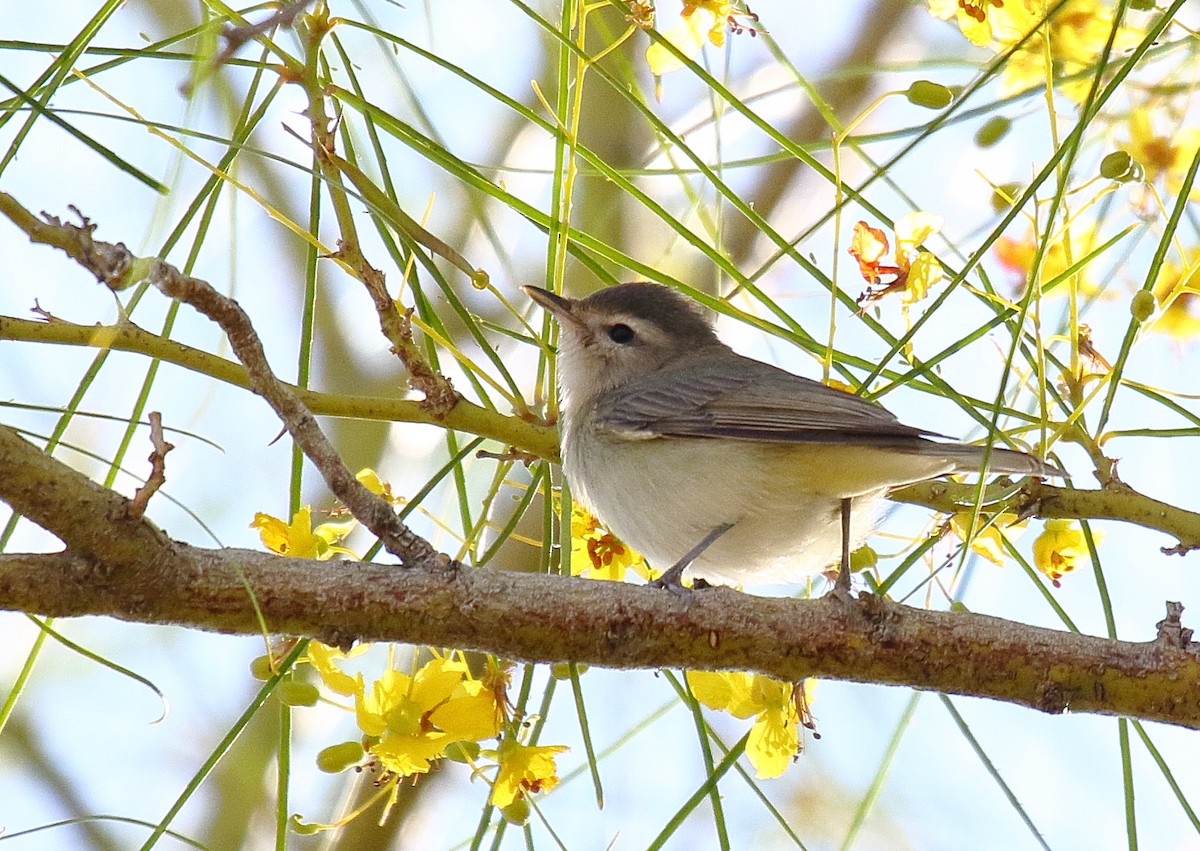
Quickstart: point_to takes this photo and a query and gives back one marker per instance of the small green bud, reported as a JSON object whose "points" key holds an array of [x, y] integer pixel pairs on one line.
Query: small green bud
{"points": [[929, 94], [995, 129], [464, 752], [1004, 195], [1119, 166], [562, 670], [337, 758], [294, 693], [261, 668], [1143, 305], [863, 558], [517, 812], [302, 827]]}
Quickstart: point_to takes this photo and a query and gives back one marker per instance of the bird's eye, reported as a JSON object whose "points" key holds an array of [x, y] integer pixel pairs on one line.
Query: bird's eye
{"points": [[621, 333]]}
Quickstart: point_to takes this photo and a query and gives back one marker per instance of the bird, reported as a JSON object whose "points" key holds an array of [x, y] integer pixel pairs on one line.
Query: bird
{"points": [[719, 467]]}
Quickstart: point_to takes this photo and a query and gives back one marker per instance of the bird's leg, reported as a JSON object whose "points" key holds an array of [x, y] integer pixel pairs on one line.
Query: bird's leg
{"points": [[671, 578], [842, 586]]}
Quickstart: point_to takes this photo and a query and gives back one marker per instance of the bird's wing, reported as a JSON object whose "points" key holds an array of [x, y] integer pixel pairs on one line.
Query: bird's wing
{"points": [[742, 398]]}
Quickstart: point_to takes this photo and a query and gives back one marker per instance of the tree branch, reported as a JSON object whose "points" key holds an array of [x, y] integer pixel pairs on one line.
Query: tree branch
{"points": [[125, 336], [119, 564], [1117, 501], [549, 619], [122, 567], [116, 267]]}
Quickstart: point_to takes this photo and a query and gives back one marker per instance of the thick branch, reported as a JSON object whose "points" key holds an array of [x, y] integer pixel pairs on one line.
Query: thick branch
{"points": [[544, 619], [126, 568], [95, 522], [120, 565]]}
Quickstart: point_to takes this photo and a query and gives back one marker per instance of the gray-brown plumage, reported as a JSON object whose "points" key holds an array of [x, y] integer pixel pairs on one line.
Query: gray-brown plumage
{"points": [[668, 434]]}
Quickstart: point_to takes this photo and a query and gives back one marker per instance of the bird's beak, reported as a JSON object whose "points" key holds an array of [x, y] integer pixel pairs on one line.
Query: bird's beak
{"points": [[563, 309]]}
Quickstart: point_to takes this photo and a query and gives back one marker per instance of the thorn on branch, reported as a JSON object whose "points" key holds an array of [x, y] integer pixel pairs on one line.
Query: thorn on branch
{"points": [[158, 469], [38, 310], [1171, 631], [511, 454], [1180, 549]]}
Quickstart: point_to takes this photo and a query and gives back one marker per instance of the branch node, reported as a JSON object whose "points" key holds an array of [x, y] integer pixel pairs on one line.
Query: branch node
{"points": [[1172, 632]]}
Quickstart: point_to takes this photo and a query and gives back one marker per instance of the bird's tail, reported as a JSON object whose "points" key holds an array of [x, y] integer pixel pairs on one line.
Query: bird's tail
{"points": [[970, 459]]}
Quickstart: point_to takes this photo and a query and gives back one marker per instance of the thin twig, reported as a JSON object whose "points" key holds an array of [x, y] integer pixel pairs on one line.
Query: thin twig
{"points": [[117, 267], [158, 468]]}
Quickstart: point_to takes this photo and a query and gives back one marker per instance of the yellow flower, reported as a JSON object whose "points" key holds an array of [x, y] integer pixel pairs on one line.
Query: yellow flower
{"points": [[922, 269], [1074, 37], [416, 718], [700, 21], [291, 539], [984, 22], [1059, 549], [597, 553], [989, 543], [370, 480], [775, 737], [1160, 155], [1178, 295], [523, 769], [325, 658], [914, 272]]}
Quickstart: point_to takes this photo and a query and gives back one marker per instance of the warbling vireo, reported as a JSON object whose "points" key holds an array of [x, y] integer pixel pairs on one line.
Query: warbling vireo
{"points": [[690, 452]]}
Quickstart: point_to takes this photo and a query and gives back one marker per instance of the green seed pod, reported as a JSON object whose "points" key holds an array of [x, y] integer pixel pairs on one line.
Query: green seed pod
{"points": [[337, 758], [261, 668], [1143, 305], [1119, 166], [929, 94], [995, 129], [294, 693]]}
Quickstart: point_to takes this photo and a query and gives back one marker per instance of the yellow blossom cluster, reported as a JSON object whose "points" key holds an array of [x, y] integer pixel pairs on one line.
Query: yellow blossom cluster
{"points": [[1176, 290], [990, 540], [299, 539], [411, 719], [915, 270], [1070, 37], [1058, 550], [1017, 257]]}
